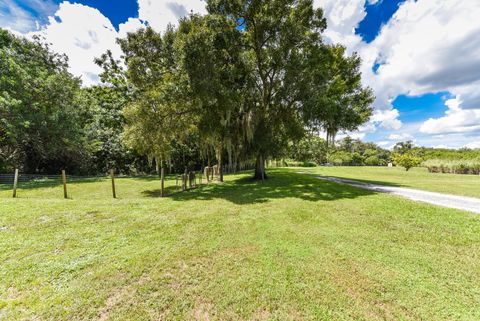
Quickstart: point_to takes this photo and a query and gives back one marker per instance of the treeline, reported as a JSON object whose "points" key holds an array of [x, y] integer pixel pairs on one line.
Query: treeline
{"points": [[242, 83], [49, 122], [314, 150]]}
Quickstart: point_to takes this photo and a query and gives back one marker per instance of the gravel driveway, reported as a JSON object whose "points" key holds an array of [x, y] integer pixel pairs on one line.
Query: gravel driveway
{"points": [[452, 201]]}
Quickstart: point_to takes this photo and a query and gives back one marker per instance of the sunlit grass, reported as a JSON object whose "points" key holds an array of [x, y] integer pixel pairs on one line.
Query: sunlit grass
{"points": [[292, 248], [457, 184]]}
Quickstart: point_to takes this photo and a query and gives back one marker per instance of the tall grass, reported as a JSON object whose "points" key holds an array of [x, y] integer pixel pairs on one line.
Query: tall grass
{"points": [[459, 166]]}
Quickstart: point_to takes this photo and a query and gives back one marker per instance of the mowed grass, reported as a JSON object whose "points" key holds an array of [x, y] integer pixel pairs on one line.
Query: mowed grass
{"points": [[419, 178], [292, 248]]}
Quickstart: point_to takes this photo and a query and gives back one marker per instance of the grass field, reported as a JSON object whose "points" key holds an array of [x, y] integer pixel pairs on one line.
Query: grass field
{"points": [[292, 248], [420, 178]]}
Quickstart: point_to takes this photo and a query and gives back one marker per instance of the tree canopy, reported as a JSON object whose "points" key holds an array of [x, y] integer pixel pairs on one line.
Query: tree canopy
{"points": [[249, 77], [241, 83]]}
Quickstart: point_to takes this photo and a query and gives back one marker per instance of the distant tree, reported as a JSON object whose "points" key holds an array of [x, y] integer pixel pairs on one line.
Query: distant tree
{"points": [[357, 159], [311, 148], [403, 147], [372, 161], [406, 161]]}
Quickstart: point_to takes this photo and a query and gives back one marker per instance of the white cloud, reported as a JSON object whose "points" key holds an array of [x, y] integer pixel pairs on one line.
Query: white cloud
{"points": [[402, 136], [456, 120], [82, 42], [387, 119], [160, 13], [343, 16], [427, 46]]}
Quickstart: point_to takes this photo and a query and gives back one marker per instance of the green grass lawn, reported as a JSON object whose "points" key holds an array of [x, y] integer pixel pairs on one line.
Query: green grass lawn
{"points": [[420, 178], [292, 248]]}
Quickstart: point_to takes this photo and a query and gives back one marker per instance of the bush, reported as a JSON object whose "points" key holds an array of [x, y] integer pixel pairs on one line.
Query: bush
{"points": [[406, 160], [372, 161], [340, 158]]}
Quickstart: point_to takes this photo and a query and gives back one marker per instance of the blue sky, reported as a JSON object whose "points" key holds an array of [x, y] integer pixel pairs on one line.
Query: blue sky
{"points": [[421, 57]]}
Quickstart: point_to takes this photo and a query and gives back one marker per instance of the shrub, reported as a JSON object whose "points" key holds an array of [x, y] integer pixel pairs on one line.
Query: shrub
{"points": [[340, 158], [406, 160], [372, 161]]}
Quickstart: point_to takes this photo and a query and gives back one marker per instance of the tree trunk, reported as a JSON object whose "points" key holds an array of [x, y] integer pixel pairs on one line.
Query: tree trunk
{"points": [[260, 168]]}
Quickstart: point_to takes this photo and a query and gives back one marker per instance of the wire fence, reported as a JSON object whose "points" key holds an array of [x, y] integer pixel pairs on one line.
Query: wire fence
{"points": [[63, 185]]}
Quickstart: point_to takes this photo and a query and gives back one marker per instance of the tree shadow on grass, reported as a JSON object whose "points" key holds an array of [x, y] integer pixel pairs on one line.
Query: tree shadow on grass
{"points": [[280, 184]]}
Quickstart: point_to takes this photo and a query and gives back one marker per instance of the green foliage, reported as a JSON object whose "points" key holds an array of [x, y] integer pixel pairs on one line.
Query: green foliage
{"points": [[340, 157], [293, 163], [245, 81], [245, 78], [403, 147], [348, 151], [336, 99], [407, 160], [41, 128], [310, 149], [374, 161], [160, 111], [104, 131], [442, 160]]}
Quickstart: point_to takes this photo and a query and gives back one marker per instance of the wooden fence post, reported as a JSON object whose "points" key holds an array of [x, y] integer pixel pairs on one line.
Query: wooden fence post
{"points": [[64, 181], [162, 177], [112, 175], [15, 182], [205, 172]]}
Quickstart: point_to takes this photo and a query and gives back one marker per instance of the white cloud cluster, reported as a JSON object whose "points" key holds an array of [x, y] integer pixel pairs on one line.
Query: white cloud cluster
{"points": [[83, 33], [160, 13], [343, 16], [427, 46], [67, 33], [456, 120]]}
